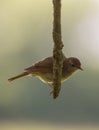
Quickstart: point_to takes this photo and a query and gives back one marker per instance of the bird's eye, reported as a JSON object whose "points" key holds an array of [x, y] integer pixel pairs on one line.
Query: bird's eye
{"points": [[72, 65]]}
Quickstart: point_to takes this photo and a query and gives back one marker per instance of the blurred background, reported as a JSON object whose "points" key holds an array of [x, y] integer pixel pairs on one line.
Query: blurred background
{"points": [[26, 37]]}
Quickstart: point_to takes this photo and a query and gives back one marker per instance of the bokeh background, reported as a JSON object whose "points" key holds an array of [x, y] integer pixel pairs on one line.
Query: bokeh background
{"points": [[26, 37]]}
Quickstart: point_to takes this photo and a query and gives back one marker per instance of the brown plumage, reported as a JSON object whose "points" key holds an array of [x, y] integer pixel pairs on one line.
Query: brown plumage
{"points": [[44, 69]]}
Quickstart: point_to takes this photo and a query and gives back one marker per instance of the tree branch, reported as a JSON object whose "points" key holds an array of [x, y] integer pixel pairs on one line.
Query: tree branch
{"points": [[57, 50]]}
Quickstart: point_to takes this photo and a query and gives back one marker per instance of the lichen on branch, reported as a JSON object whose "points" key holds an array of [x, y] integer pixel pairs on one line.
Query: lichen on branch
{"points": [[57, 50]]}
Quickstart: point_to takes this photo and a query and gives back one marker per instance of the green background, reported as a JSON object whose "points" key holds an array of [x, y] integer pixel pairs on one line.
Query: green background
{"points": [[26, 37]]}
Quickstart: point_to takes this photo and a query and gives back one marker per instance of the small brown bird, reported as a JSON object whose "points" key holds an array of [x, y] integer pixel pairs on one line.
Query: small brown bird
{"points": [[44, 69]]}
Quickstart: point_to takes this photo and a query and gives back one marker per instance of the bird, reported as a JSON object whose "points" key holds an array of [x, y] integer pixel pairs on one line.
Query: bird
{"points": [[44, 69]]}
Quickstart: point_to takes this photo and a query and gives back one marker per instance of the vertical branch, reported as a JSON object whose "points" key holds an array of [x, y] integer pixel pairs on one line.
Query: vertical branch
{"points": [[57, 50]]}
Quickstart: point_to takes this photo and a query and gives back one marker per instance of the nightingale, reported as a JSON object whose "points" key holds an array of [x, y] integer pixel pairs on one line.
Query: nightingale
{"points": [[44, 69]]}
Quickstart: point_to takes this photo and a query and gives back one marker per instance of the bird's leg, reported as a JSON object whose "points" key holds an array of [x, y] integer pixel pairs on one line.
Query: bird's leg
{"points": [[51, 93], [51, 86]]}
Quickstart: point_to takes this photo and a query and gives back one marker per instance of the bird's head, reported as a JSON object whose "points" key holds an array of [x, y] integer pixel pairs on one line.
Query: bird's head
{"points": [[74, 63]]}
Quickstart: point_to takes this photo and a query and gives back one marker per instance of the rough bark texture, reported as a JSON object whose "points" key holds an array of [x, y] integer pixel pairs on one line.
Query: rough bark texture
{"points": [[57, 50]]}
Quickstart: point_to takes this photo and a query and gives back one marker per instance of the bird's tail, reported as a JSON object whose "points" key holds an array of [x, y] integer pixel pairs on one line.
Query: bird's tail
{"points": [[18, 76]]}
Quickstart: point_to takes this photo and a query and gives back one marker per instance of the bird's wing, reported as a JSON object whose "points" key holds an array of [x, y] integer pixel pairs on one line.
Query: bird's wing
{"points": [[44, 66]]}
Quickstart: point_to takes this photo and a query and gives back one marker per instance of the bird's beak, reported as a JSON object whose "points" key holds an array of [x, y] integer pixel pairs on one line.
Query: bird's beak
{"points": [[80, 68]]}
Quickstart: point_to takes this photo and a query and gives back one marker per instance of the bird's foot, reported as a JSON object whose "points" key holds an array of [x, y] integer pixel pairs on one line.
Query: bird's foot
{"points": [[51, 93]]}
